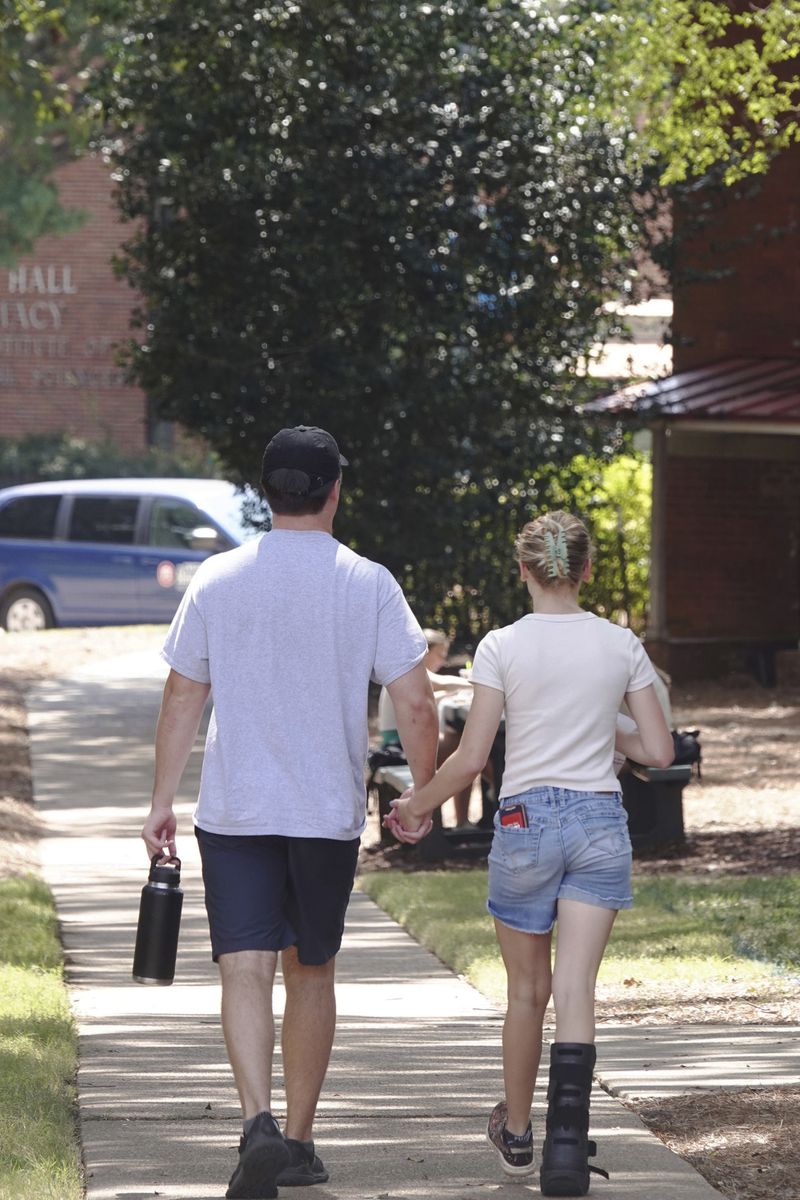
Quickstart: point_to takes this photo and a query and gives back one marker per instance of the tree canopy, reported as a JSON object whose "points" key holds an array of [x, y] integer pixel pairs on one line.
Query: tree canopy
{"points": [[692, 85], [699, 85], [400, 220], [43, 120], [383, 219]]}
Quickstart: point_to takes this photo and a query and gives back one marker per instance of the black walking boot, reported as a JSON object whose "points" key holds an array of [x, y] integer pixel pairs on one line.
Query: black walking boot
{"points": [[567, 1149]]}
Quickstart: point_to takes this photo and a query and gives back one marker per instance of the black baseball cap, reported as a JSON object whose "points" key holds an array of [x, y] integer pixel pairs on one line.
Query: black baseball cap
{"points": [[301, 461]]}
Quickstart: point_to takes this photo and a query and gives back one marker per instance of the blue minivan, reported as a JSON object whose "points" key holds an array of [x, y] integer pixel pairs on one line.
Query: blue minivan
{"points": [[113, 551]]}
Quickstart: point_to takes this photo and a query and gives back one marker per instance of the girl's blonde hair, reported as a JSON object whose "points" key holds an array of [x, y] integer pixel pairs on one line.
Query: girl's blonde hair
{"points": [[554, 547]]}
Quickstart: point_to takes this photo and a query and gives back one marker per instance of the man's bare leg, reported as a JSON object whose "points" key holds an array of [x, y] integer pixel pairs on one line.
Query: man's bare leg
{"points": [[309, 1021], [248, 1025]]}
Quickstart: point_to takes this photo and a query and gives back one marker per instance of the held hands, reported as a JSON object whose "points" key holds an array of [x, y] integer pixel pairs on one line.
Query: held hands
{"points": [[406, 827]]}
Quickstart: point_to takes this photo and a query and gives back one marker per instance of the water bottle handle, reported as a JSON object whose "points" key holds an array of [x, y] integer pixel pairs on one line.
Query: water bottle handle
{"points": [[165, 860]]}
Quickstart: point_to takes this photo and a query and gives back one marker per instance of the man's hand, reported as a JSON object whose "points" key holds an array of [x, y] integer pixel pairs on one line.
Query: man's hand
{"points": [[406, 827], [181, 709], [158, 831]]}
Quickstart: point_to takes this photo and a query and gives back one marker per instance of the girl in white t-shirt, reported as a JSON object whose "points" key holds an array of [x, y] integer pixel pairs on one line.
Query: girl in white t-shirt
{"points": [[561, 849]]}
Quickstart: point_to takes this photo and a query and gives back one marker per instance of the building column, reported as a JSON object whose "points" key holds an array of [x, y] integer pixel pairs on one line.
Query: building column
{"points": [[657, 634]]}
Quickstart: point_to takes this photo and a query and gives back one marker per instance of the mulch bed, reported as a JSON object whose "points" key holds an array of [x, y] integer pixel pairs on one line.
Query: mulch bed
{"points": [[745, 1143], [726, 852]]}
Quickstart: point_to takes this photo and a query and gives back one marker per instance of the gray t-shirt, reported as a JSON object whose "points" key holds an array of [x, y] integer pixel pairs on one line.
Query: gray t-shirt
{"points": [[289, 629]]}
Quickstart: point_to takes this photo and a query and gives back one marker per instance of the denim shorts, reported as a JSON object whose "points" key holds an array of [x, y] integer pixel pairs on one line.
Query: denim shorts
{"points": [[576, 847]]}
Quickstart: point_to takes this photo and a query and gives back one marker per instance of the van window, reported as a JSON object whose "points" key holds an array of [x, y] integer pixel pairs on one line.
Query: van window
{"points": [[103, 519], [172, 523], [29, 517]]}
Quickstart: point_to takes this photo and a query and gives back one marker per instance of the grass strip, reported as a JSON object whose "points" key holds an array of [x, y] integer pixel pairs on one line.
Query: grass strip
{"points": [[678, 930], [39, 1155]]}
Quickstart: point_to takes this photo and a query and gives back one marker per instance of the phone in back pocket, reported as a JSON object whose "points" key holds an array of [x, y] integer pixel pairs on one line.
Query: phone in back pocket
{"points": [[514, 817]]}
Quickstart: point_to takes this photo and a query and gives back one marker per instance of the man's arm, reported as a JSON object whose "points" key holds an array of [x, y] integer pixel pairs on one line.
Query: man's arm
{"points": [[417, 722], [181, 709]]}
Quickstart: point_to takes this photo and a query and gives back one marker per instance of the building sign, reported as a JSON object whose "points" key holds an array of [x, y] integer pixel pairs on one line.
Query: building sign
{"points": [[45, 344], [64, 313]]}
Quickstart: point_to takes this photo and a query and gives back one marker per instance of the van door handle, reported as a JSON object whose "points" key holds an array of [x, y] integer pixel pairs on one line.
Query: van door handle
{"points": [[122, 559]]}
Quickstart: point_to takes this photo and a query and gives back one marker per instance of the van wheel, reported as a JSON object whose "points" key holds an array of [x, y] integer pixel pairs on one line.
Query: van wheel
{"points": [[25, 609]]}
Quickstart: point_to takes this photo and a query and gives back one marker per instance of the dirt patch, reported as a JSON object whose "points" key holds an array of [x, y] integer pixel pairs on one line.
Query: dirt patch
{"points": [[749, 734], [26, 658], [723, 851], [15, 772], [21, 830], [742, 817], [745, 1143]]}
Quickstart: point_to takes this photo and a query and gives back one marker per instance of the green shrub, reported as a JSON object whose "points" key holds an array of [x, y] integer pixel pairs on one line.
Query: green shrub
{"points": [[43, 456]]}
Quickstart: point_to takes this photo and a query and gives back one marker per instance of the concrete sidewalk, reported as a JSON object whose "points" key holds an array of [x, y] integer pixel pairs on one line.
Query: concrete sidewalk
{"points": [[416, 1063]]}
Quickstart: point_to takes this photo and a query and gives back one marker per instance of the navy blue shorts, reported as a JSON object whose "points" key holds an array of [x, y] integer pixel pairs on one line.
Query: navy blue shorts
{"points": [[267, 893]]}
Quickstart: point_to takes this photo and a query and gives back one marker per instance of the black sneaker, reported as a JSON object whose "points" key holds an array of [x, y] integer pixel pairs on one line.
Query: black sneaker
{"points": [[305, 1167], [263, 1154], [515, 1151]]}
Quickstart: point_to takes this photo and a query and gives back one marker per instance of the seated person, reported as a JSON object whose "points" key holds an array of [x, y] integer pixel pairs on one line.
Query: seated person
{"points": [[445, 688]]}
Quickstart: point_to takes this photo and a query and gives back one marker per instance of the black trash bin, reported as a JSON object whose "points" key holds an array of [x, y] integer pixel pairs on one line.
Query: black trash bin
{"points": [[653, 799]]}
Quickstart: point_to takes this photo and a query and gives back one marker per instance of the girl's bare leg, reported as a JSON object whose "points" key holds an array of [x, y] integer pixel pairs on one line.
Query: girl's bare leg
{"points": [[583, 932], [527, 960]]}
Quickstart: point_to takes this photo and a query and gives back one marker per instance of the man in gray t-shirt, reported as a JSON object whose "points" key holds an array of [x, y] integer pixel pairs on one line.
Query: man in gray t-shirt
{"points": [[286, 633]]}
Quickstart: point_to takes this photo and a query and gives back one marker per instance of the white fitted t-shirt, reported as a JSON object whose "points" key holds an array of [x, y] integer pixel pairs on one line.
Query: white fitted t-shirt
{"points": [[289, 629], [563, 676]]}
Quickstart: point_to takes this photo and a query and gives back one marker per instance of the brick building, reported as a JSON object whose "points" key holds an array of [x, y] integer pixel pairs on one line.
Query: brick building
{"points": [[62, 312], [725, 573]]}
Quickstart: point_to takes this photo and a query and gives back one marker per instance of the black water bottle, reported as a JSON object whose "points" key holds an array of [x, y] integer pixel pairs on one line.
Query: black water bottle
{"points": [[159, 923]]}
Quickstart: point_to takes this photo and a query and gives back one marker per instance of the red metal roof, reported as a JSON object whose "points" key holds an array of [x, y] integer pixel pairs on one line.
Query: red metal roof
{"points": [[751, 389]]}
